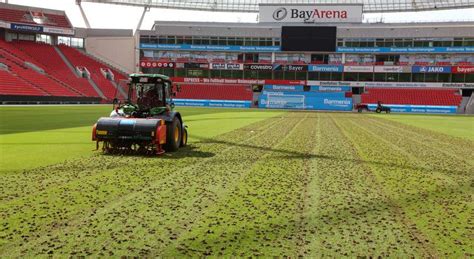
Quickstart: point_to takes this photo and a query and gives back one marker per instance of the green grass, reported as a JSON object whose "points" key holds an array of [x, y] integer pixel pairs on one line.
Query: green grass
{"points": [[33, 136], [250, 183], [458, 126]]}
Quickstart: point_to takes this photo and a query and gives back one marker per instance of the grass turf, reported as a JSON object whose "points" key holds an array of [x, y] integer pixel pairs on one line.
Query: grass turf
{"points": [[458, 126], [252, 183], [33, 136]]}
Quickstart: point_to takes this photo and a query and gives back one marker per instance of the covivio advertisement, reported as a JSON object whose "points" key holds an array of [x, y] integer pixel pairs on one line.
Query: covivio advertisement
{"points": [[310, 13], [305, 100]]}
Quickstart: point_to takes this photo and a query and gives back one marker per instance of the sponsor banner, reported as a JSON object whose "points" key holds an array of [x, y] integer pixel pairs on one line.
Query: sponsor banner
{"points": [[278, 49], [260, 67], [359, 69], [291, 68], [284, 82], [418, 108], [156, 64], [330, 88], [59, 31], [26, 27], [310, 13], [212, 103], [406, 50], [62, 31], [284, 87], [457, 85], [4, 24], [305, 100], [463, 70], [392, 69], [224, 66], [325, 68], [193, 65], [431, 69], [237, 81], [209, 47]]}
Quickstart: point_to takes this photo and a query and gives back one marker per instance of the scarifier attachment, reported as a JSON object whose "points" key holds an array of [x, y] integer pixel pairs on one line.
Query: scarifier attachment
{"points": [[129, 135]]}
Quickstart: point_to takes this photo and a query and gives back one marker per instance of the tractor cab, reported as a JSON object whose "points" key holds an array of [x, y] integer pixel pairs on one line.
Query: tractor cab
{"points": [[148, 95]]}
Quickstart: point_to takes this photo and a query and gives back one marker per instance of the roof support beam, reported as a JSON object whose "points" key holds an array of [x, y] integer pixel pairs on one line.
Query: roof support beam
{"points": [[139, 25], [84, 17]]}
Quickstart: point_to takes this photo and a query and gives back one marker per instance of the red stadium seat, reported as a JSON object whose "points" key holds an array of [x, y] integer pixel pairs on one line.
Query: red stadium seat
{"points": [[412, 96], [80, 59]]}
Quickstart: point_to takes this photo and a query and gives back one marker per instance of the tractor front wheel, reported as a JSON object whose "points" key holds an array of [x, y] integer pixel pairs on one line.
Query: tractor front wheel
{"points": [[173, 135], [184, 138]]}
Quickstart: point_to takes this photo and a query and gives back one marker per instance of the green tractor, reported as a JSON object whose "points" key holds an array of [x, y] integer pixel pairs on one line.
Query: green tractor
{"points": [[145, 122]]}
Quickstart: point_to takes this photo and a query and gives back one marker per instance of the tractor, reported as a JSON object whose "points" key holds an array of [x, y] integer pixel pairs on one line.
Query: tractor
{"points": [[146, 122], [360, 107]]}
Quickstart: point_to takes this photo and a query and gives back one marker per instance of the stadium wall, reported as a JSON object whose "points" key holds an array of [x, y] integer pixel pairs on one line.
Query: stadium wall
{"points": [[116, 47], [118, 52]]}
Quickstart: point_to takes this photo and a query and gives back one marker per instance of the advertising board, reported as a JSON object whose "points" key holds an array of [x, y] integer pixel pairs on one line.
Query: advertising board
{"points": [[305, 100], [212, 103]]}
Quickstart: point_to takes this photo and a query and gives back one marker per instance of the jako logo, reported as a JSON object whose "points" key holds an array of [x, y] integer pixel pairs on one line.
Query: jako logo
{"points": [[280, 13]]}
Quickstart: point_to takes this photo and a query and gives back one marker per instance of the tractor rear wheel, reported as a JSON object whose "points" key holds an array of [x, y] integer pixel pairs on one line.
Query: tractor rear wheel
{"points": [[378, 110], [173, 135]]}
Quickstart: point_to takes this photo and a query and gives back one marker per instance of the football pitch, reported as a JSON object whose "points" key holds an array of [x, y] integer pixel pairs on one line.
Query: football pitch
{"points": [[249, 183]]}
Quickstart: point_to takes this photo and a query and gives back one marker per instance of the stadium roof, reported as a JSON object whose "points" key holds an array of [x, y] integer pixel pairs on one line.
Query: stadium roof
{"points": [[374, 6]]}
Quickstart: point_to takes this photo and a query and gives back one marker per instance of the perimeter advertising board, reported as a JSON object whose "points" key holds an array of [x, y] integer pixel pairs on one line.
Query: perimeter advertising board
{"points": [[310, 13], [305, 100], [418, 108], [212, 103]]}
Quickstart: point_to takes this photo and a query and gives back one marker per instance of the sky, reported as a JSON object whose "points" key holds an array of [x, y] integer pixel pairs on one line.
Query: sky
{"points": [[127, 17]]}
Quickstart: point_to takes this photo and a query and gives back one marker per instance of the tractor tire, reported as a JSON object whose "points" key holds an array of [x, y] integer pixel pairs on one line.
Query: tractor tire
{"points": [[184, 138], [360, 110], [173, 135], [378, 110]]}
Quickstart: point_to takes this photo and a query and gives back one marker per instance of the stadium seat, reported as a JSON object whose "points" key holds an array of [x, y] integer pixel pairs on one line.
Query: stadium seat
{"points": [[412, 96], [46, 56], [23, 16], [78, 58], [11, 84]]}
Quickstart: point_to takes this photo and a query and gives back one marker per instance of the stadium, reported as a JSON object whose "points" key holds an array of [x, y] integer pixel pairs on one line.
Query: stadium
{"points": [[237, 128]]}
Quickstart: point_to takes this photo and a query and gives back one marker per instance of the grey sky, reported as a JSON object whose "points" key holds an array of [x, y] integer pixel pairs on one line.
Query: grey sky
{"points": [[126, 17]]}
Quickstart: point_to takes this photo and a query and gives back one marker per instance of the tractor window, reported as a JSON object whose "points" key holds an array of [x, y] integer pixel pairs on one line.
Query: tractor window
{"points": [[149, 95]]}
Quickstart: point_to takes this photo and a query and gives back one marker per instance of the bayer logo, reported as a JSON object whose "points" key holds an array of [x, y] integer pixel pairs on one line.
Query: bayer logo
{"points": [[280, 13]]}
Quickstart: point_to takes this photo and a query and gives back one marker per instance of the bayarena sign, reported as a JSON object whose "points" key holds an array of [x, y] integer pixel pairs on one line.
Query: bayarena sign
{"points": [[310, 13]]}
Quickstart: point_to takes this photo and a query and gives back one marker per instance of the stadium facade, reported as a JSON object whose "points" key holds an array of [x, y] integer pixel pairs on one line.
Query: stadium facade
{"points": [[295, 47]]}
